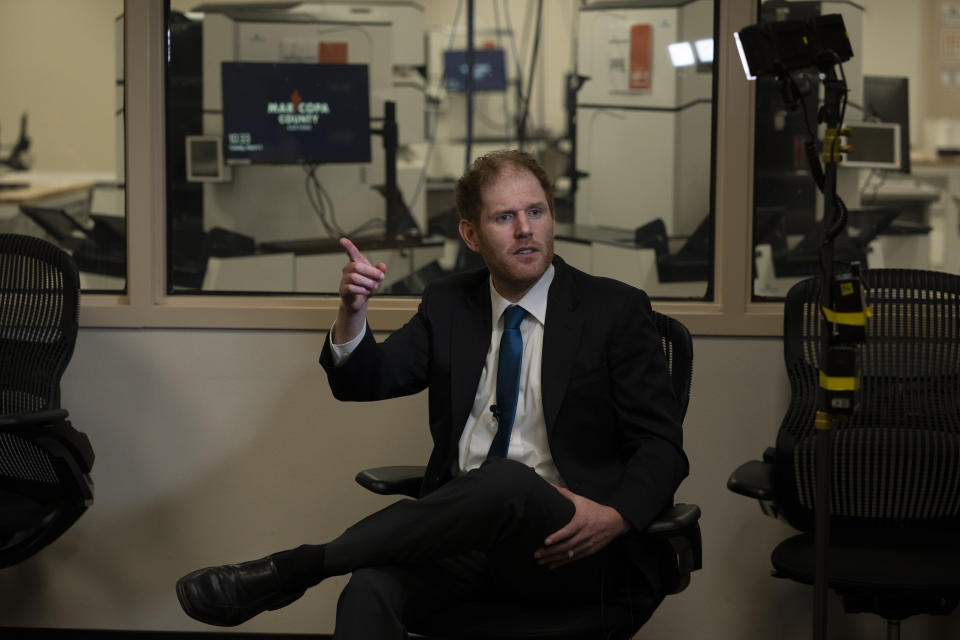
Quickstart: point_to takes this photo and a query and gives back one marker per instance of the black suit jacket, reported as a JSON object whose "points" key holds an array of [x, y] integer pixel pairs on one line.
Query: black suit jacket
{"points": [[613, 423]]}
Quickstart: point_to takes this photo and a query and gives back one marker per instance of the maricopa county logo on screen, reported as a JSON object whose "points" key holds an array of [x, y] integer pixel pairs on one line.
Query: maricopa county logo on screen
{"points": [[297, 114]]}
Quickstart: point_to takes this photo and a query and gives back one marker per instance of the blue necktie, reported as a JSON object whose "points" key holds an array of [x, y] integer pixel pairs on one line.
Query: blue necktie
{"points": [[508, 379]]}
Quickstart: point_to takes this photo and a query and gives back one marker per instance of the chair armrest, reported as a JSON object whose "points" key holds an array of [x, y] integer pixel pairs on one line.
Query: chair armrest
{"points": [[674, 519], [753, 479], [396, 480], [53, 432], [32, 418], [679, 526]]}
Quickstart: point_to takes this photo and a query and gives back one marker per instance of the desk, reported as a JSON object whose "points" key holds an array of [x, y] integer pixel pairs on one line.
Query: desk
{"points": [[34, 192], [100, 251], [315, 265], [611, 252], [71, 192], [313, 246], [900, 191]]}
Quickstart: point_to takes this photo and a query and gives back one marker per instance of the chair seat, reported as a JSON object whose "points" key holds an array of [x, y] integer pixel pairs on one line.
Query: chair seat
{"points": [[18, 512], [907, 565], [512, 621]]}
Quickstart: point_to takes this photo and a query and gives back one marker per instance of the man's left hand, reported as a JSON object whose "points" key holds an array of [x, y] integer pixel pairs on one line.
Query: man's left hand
{"points": [[592, 528]]}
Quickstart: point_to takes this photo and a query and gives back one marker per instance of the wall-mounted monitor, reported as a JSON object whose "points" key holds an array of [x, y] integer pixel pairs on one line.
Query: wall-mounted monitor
{"points": [[291, 113], [489, 70], [876, 145]]}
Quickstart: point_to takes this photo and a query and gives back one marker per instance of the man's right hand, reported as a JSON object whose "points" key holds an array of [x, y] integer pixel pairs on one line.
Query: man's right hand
{"points": [[359, 282]]}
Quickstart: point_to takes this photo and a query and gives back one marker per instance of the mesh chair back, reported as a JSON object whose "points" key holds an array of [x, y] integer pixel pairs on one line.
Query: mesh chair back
{"points": [[677, 346], [896, 459], [39, 303], [44, 461]]}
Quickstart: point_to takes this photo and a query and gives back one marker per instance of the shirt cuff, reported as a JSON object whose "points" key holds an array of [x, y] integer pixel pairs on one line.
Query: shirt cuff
{"points": [[340, 352]]}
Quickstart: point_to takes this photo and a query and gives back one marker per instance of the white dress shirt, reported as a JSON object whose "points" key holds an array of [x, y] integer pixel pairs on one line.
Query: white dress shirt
{"points": [[528, 438]]}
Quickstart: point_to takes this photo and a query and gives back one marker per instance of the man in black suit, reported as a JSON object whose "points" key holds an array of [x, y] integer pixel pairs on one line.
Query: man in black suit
{"points": [[547, 506]]}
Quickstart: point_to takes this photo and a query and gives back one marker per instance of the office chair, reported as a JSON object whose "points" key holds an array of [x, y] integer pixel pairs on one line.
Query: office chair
{"points": [[17, 159], [895, 510], [690, 263], [677, 528], [100, 247], [44, 461]]}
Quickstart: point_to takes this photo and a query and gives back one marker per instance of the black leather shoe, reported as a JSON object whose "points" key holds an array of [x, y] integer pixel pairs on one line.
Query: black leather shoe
{"points": [[231, 594]]}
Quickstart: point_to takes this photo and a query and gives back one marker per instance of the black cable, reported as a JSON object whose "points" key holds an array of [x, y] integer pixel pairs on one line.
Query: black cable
{"points": [[813, 157], [875, 188], [842, 214], [319, 198], [506, 119], [316, 201], [516, 60], [471, 60], [525, 112], [322, 204]]}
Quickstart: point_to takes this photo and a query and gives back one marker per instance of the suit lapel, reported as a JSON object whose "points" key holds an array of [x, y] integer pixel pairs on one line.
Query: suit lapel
{"points": [[470, 339], [561, 336]]}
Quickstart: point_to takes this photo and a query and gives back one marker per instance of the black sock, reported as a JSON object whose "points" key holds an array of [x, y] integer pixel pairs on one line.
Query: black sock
{"points": [[301, 568]]}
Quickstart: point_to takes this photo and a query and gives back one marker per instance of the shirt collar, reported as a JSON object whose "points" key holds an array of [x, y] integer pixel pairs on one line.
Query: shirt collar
{"points": [[534, 302]]}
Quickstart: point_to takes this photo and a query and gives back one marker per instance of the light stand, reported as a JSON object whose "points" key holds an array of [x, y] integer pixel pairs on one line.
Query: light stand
{"points": [[399, 221], [777, 49], [834, 91]]}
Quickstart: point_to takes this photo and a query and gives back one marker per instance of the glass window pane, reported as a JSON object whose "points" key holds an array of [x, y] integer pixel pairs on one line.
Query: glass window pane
{"points": [[61, 131], [263, 173], [900, 180]]}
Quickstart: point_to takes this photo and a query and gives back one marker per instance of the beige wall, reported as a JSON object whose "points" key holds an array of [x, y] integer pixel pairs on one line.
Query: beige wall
{"points": [[220, 446], [57, 63], [944, 101]]}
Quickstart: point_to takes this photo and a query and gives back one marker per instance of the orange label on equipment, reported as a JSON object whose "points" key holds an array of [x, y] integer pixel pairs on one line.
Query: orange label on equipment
{"points": [[332, 53], [640, 73]]}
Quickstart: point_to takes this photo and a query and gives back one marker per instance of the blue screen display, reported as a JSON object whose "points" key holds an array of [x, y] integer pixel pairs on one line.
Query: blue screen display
{"points": [[287, 113], [489, 70]]}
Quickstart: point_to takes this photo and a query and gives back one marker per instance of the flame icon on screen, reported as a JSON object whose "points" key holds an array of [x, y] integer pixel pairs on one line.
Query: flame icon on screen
{"points": [[296, 100]]}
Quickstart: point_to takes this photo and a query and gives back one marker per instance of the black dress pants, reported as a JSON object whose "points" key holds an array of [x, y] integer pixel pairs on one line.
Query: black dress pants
{"points": [[472, 538]]}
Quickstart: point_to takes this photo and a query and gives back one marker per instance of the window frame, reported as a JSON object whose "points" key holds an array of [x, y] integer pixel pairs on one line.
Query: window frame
{"points": [[147, 304]]}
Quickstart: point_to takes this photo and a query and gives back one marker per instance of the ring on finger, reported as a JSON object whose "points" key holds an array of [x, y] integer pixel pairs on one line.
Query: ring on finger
{"points": [[570, 554]]}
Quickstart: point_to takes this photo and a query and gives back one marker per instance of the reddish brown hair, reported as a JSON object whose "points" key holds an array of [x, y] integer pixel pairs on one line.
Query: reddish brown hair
{"points": [[487, 168]]}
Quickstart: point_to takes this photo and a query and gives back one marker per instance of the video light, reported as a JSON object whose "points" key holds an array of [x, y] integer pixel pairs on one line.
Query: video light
{"points": [[778, 48]]}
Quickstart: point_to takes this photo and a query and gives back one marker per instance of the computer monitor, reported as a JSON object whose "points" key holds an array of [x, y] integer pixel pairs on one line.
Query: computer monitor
{"points": [[887, 99], [876, 145], [289, 113], [489, 70]]}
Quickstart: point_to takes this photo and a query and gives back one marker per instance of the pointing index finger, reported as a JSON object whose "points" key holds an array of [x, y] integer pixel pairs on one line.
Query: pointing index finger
{"points": [[352, 252]]}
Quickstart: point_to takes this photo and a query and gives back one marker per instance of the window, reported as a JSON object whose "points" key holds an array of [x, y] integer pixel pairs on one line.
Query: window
{"points": [[149, 303], [61, 132], [899, 182], [266, 167]]}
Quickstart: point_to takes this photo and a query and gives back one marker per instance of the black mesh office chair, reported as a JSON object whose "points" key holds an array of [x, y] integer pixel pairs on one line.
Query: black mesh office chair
{"points": [[895, 511], [44, 461], [678, 527]]}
